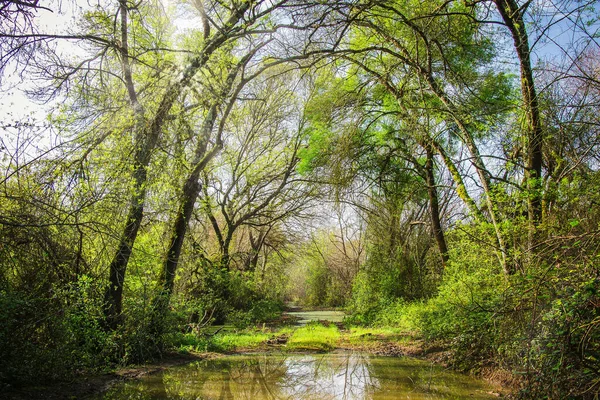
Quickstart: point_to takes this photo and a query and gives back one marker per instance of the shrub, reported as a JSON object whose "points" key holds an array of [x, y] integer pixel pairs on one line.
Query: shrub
{"points": [[52, 337]]}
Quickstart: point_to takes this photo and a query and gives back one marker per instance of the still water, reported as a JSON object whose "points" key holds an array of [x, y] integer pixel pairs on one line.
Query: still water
{"points": [[304, 376], [304, 317]]}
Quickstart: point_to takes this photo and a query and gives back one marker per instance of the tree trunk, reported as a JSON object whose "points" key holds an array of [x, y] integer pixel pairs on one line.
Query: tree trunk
{"points": [[434, 208], [225, 256], [146, 140], [512, 15], [482, 172], [461, 189], [114, 292], [191, 190]]}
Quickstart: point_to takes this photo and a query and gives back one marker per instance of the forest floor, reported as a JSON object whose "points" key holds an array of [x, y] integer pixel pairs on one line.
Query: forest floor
{"points": [[283, 334]]}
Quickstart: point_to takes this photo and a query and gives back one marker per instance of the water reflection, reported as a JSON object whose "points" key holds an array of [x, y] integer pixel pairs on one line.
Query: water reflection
{"points": [[318, 376], [346, 376]]}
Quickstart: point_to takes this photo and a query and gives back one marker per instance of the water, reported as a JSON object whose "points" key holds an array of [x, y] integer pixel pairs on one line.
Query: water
{"points": [[349, 375], [307, 316]]}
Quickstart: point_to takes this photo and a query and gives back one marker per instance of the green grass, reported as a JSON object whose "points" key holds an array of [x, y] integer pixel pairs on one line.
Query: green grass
{"points": [[189, 342], [223, 341], [361, 335], [236, 341], [314, 337]]}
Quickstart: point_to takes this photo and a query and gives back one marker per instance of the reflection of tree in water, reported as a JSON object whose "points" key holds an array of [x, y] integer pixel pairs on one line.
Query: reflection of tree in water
{"points": [[416, 379], [338, 376], [327, 376], [255, 377]]}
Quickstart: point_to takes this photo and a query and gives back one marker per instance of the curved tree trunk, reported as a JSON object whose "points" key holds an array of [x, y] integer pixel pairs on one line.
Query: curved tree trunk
{"points": [[512, 15], [434, 208]]}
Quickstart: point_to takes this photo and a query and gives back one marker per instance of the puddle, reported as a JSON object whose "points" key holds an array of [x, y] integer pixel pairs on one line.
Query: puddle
{"points": [[304, 376]]}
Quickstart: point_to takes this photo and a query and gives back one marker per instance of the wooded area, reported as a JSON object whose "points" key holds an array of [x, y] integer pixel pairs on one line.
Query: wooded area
{"points": [[432, 166]]}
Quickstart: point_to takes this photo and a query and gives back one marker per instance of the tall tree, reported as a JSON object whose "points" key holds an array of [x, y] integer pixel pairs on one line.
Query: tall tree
{"points": [[513, 16], [202, 155], [233, 21], [437, 51]]}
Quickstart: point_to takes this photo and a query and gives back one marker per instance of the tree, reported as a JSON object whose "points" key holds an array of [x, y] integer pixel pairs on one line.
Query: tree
{"points": [[255, 183], [437, 52], [202, 156], [237, 20]]}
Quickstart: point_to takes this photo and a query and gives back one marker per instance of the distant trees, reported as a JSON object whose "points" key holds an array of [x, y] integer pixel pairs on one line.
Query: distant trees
{"points": [[255, 183], [323, 267]]}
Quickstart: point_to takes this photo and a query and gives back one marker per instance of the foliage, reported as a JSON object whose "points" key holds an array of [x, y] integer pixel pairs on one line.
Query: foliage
{"points": [[383, 280], [53, 337], [260, 311]]}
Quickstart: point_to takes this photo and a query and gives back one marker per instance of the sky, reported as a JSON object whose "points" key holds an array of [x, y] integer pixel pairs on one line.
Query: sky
{"points": [[14, 103]]}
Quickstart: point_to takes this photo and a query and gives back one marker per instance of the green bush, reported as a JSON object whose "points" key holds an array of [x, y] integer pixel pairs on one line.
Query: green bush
{"points": [[93, 346], [406, 316], [563, 356], [49, 338]]}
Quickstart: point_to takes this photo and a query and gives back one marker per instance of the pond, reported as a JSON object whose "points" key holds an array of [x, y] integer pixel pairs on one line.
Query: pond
{"points": [[339, 375]]}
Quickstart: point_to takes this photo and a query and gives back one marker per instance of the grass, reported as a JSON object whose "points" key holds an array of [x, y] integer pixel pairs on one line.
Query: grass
{"points": [[224, 342], [360, 335], [236, 341], [382, 340], [314, 337]]}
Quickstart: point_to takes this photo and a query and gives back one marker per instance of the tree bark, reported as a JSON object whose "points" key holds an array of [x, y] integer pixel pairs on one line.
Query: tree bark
{"points": [[434, 207], [512, 15]]}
